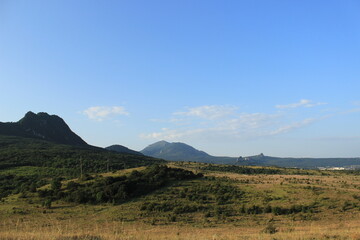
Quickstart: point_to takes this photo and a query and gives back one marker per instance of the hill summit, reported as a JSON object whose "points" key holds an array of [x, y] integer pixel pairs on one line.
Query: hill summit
{"points": [[122, 149], [178, 151], [42, 126]]}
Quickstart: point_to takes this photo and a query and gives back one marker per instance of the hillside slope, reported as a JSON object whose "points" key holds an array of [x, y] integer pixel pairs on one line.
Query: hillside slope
{"points": [[19, 151]]}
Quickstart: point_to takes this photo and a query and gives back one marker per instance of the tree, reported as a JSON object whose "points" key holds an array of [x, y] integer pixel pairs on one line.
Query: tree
{"points": [[47, 203], [56, 184]]}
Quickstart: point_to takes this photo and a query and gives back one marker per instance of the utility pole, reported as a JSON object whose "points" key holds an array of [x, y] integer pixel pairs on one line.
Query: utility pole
{"points": [[81, 168]]}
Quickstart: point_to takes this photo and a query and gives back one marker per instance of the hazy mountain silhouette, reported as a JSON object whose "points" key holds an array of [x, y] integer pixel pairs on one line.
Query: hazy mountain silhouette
{"points": [[183, 152], [178, 151]]}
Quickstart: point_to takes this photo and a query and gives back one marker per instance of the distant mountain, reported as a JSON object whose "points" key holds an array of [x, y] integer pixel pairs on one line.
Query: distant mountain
{"points": [[42, 126], [182, 152], [262, 160], [122, 149]]}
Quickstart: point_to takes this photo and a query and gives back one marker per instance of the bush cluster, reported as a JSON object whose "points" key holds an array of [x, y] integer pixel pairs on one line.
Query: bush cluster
{"points": [[204, 196], [12, 184], [119, 189], [276, 210]]}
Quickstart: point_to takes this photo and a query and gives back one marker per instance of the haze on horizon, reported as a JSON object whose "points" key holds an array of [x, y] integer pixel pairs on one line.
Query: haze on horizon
{"points": [[229, 78]]}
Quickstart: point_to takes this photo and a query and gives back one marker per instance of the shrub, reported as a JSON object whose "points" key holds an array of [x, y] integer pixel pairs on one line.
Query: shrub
{"points": [[270, 229], [47, 203], [56, 184]]}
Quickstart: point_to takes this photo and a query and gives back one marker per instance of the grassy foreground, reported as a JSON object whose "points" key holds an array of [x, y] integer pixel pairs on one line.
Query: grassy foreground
{"points": [[262, 205], [53, 229]]}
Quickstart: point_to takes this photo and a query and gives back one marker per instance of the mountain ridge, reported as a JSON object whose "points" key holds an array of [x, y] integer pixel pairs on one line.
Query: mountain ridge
{"points": [[42, 126], [299, 162]]}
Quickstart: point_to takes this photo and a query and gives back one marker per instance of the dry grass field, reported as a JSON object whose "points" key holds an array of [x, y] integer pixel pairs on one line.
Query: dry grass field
{"points": [[55, 228], [333, 213]]}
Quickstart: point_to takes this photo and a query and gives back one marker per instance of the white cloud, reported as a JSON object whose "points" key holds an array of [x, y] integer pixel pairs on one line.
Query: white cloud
{"points": [[356, 103], [354, 110], [233, 129], [99, 113], [172, 134], [302, 103], [249, 121], [293, 126], [209, 112]]}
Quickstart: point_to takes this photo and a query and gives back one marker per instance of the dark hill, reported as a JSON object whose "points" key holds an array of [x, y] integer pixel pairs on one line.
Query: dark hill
{"points": [[36, 153], [26, 161], [42, 126], [122, 149], [182, 152]]}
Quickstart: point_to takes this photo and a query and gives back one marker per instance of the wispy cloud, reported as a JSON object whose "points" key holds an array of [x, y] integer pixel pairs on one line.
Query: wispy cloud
{"points": [[209, 112], [356, 103], [353, 110], [99, 113], [173, 134], [293, 126], [218, 122], [249, 121], [302, 103]]}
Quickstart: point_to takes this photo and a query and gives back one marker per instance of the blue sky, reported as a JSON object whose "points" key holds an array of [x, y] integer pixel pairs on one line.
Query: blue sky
{"points": [[227, 77]]}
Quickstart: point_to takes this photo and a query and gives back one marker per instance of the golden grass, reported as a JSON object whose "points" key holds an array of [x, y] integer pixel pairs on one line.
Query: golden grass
{"points": [[55, 229]]}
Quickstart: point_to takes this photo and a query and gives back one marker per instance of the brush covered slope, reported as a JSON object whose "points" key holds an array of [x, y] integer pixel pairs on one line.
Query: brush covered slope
{"points": [[117, 190], [42, 126], [27, 161], [182, 152]]}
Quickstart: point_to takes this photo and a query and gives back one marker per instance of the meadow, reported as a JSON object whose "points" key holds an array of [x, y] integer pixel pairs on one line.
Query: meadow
{"points": [[225, 203]]}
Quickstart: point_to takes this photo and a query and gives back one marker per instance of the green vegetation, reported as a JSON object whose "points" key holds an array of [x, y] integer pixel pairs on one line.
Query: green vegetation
{"points": [[117, 189], [12, 184], [210, 196], [219, 199], [17, 151]]}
